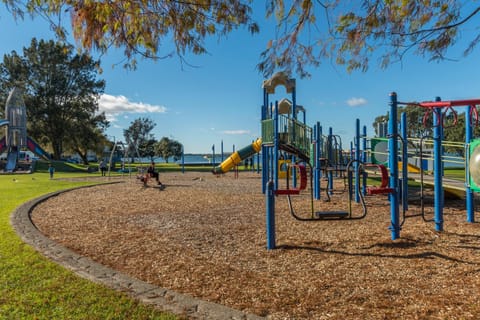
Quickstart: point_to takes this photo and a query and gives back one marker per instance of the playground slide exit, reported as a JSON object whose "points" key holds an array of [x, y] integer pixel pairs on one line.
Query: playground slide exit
{"points": [[238, 156], [11, 161]]}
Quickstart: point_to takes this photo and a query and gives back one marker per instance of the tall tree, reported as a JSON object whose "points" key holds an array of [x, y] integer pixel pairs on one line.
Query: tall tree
{"points": [[167, 148], [147, 148], [89, 136], [61, 92], [142, 28], [351, 33], [139, 137], [307, 31]]}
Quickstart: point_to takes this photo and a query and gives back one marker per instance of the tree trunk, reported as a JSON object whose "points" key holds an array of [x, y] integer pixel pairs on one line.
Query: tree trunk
{"points": [[57, 151], [82, 155]]}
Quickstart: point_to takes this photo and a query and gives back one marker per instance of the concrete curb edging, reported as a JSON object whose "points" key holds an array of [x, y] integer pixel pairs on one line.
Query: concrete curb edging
{"points": [[161, 298]]}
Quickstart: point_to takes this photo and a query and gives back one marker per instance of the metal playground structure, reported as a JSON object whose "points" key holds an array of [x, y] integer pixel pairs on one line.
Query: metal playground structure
{"points": [[16, 137], [283, 132], [295, 158]]}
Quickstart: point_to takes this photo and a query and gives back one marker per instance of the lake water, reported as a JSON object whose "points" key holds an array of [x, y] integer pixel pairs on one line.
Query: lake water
{"points": [[188, 159]]}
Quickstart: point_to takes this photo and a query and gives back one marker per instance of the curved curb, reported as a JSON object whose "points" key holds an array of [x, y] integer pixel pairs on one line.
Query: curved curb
{"points": [[161, 298]]}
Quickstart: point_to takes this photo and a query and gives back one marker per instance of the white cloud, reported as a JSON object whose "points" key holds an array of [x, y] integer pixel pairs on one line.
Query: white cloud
{"points": [[116, 105], [236, 132], [355, 102]]}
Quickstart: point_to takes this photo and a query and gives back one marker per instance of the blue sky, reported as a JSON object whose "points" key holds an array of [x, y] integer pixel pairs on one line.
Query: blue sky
{"points": [[220, 99]]}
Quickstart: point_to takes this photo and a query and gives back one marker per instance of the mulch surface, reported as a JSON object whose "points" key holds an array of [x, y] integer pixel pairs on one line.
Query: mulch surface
{"points": [[205, 236]]}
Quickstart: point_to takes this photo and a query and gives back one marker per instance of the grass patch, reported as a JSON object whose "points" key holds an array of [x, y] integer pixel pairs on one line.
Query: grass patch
{"points": [[61, 166], [455, 173], [32, 287]]}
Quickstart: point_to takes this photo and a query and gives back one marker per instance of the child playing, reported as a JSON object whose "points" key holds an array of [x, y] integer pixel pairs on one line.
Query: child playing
{"points": [[151, 173], [51, 170]]}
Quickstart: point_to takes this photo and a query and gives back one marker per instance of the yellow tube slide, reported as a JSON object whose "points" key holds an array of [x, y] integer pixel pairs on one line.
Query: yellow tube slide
{"points": [[238, 156]]}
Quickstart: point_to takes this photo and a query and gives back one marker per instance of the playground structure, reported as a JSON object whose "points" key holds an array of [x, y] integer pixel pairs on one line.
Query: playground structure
{"points": [[306, 148], [16, 138], [285, 133], [389, 155], [439, 111], [282, 131]]}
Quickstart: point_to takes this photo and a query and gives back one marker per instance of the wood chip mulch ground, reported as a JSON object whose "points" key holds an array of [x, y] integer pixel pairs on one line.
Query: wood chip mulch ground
{"points": [[204, 236]]}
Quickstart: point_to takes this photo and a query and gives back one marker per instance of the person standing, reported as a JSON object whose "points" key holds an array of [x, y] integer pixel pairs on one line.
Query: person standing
{"points": [[103, 167], [51, 170]]}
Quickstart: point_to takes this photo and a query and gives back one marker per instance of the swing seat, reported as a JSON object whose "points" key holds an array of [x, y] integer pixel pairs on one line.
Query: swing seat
{"points": [[331, 214], [382, 189], [302, 185], [379, 190], [287, 192]]}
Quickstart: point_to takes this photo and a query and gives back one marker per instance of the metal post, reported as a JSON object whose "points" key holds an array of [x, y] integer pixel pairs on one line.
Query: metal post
{"points": [[393, 164], [321, 147], [264, 148], [275, 145], [438, 167], [364, 157], [213, 156], [352, 153], [270, 206], [221, 151], [316, 173], [357, 157], [469, 199], [340, 152], [330, 157], [404, 161]]}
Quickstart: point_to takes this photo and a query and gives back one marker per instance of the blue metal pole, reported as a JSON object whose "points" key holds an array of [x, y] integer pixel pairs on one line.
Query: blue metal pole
{"points": [[352, 153], [469, 199], [317, 161], [275, 146], [221, 150], [270, 206], [393, 164], [330, 157], [213, 155], [320, 147], [404, 161], [340, 152], [364, 157], [357, 157], [437, 167], [264, 148]]}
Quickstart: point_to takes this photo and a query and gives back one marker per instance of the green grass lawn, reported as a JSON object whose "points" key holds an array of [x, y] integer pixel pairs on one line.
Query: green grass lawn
{"points": [[32, 287], [455, 173]]}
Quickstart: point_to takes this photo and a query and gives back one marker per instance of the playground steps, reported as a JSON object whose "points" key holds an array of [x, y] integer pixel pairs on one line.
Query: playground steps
{"points": [[331, 214]]}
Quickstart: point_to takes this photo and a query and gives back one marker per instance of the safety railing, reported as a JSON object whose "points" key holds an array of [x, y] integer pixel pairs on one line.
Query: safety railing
{"points": [[291, 132]]}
